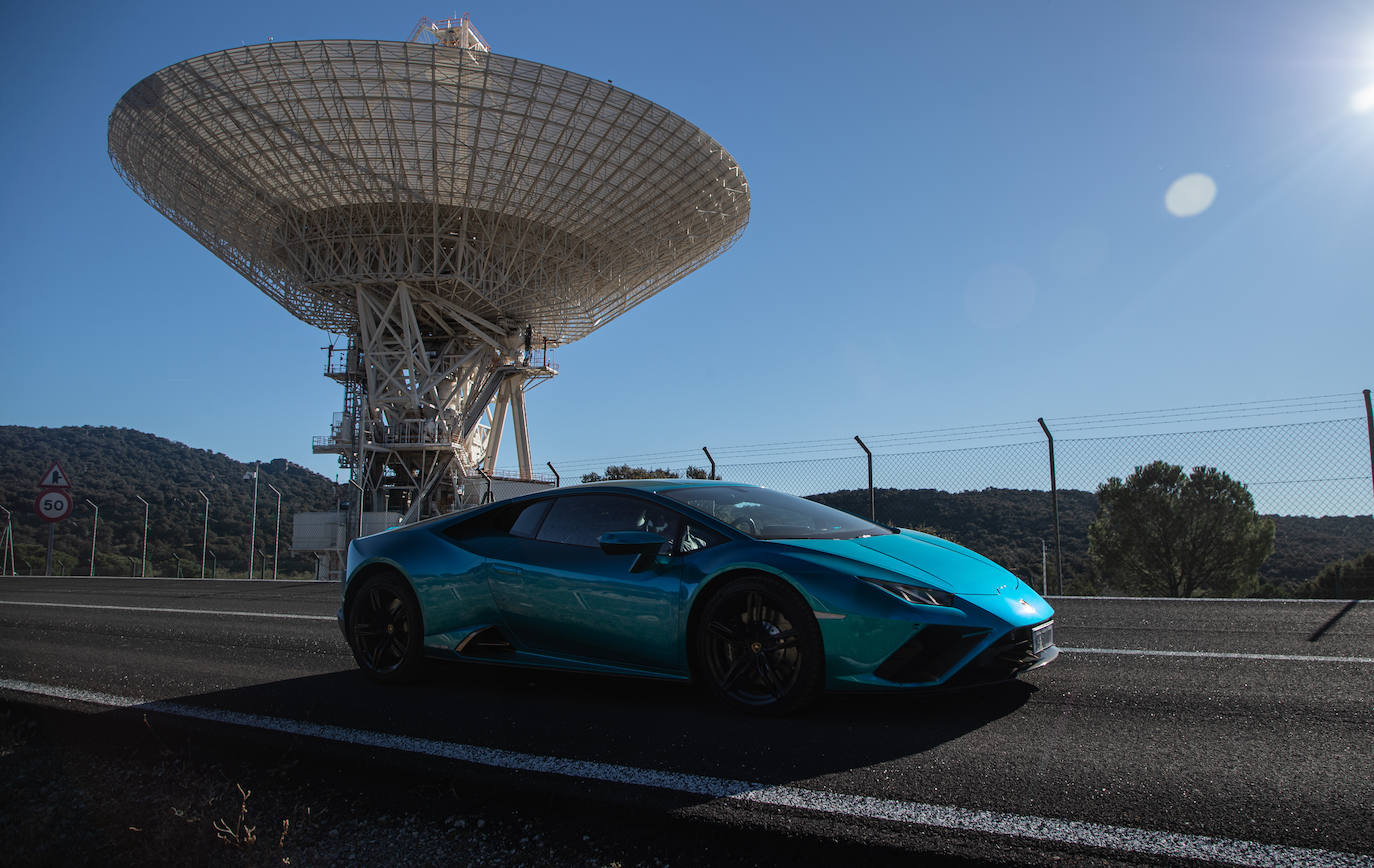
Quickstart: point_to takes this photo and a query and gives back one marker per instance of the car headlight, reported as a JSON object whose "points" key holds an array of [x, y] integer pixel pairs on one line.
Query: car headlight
{"points": [[912, 593]]}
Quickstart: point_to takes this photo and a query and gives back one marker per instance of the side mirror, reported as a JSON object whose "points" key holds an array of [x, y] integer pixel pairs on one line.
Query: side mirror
{"points": [[633, 542]]}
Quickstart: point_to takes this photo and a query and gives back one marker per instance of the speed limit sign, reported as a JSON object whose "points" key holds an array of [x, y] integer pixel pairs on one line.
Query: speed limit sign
{"points": [[53, 505]]}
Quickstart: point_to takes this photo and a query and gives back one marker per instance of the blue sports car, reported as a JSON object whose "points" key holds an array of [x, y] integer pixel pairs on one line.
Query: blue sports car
{"points": [[765, 598]]}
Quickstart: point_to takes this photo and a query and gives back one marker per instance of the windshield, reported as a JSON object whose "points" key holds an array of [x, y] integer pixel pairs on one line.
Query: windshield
{"points": [[766, 514]]}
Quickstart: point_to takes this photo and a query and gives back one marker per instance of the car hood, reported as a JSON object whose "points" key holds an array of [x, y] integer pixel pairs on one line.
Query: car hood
{"points": [[922, 557]]}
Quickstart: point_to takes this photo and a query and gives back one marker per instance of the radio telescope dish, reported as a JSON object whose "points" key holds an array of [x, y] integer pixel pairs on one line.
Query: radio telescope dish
{"points": [[455, 213]]}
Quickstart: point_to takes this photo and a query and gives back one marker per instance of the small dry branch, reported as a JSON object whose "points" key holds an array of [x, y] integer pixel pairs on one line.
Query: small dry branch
{"points": [[242, 834]]}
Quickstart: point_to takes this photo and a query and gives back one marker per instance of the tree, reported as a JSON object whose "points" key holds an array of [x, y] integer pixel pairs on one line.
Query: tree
{"points": [[1164, 533], [625, 471], [1343, 579]]}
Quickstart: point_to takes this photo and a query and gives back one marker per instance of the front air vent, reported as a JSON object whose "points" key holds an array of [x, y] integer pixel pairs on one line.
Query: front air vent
{"points": [[927, 656]]}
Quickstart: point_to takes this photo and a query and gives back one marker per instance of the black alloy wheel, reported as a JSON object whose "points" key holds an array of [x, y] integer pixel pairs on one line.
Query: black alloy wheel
{"points": [[385, 629], [759, 647]]}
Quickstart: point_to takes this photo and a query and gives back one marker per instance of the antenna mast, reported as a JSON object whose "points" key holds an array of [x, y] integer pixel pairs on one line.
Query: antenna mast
{"points": [[450, 32]]}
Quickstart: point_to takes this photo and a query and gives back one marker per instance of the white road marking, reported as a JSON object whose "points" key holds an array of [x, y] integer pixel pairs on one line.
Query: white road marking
{"points": [[1224, 655], [173, 611], [183, 580], [1297, 601], [1060, 831]]}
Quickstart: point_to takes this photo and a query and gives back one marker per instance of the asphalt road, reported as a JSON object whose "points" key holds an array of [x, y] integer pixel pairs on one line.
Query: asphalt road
{"points": [[1236, 731]]}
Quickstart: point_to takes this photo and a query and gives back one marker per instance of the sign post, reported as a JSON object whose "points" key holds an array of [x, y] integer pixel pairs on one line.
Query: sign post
{"points": [[53, 504]]}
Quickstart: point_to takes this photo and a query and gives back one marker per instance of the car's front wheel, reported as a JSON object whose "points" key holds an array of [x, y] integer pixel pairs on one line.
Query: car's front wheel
{"points": [[758, 646], [385, 629]]}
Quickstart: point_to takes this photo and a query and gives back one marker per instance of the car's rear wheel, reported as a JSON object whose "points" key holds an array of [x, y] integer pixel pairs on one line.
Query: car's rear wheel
{"points": [[758, 646], [385, 629]]}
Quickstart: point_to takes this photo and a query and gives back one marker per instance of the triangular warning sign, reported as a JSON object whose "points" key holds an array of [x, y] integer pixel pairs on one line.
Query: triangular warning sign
{"points": [[56, 477]]}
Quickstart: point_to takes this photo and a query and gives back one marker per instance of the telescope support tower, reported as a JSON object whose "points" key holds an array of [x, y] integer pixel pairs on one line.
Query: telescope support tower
{"points": [[427, 390]]}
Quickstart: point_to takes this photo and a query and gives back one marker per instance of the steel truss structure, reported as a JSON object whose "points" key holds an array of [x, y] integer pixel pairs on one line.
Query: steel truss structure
{"points": [[448, 210]]}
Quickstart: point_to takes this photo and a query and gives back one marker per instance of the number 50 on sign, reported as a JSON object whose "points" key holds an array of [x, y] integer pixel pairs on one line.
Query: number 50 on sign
{"points": [[53, 505]]}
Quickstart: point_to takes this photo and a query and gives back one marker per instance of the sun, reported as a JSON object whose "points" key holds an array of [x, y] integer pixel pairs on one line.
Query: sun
{"points": [[1362, 100]]}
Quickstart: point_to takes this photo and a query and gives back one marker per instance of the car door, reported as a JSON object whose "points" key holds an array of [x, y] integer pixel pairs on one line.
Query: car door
{"points": [[562, 595]]}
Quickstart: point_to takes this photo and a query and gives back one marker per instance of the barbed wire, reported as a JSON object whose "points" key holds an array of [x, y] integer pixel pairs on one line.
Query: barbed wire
{"points": [[1312, 405]]}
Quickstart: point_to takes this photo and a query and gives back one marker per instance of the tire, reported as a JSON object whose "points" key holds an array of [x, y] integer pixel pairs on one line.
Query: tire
{"points": [[386, 630], [758, 647]]}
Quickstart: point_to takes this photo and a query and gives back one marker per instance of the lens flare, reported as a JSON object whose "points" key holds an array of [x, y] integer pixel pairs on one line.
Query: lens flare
{"points": [[1190, 195]]}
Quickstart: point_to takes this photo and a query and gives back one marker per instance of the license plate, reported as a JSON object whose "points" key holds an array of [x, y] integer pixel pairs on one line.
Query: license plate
{"points": [[1042, 637]]}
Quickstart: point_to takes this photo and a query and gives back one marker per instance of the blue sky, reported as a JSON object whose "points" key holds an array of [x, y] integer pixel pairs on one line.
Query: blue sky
{"points": [[958, 218]]}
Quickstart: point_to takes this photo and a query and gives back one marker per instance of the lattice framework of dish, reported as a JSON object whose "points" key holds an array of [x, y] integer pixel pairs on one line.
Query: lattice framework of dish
{"points": [[516, 192]]}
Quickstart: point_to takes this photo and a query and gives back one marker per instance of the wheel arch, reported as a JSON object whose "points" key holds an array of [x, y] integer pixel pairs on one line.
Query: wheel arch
{"points": [[713, 585], [379, 568]]}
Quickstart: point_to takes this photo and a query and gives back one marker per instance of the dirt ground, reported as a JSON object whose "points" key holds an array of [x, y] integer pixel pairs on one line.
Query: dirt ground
{"points": [[88, 790]]}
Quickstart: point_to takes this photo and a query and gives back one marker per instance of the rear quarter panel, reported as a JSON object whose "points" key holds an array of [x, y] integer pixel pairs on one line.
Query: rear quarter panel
{"points": [[449, 582]]}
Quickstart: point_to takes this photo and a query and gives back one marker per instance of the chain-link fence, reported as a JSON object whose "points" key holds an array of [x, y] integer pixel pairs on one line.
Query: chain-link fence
{"points": [[1311, 468], [1313, 478]]}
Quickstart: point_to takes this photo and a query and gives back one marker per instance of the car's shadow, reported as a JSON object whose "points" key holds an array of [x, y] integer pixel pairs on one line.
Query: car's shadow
{"points": [[627, 722]]}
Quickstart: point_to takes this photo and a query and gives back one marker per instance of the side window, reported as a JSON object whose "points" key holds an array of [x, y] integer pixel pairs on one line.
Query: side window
{"points": [[529, 519], [580, 520], [517, 520], [695, 537]]}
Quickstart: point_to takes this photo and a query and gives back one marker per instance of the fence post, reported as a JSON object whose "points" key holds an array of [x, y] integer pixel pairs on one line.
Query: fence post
{"points": [[1369, 417], [712, 460], [557, 480], [1054, 506], [872, 504], [487, 497]]}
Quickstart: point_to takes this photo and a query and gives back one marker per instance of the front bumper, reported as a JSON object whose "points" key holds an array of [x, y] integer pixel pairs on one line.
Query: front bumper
{"points": [[936, 655], [888, 654], [1005, 659]]}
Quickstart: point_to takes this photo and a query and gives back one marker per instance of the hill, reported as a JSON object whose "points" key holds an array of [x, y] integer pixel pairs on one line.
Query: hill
{"points": [[112, 467]]}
